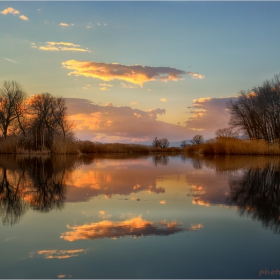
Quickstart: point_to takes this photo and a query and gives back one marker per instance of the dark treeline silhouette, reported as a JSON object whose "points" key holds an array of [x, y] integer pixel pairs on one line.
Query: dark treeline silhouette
{"points": [[37, 183], [257, 193], [256, 113], [254, 184], [37, 120]]}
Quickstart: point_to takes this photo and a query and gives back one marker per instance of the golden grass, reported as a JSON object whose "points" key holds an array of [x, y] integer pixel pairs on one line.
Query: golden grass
{"points": [[234, 146], [10, 145], [222, 163], [60, 145], [90, 147], [64, 146]]}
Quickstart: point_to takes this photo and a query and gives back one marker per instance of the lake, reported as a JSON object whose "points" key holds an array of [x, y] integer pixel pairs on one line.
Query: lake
{"points": [[156, 216]]}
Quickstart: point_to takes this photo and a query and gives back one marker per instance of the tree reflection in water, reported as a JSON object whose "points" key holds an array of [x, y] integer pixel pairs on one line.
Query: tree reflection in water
{"points": [[257, 193], [160, 159], [36, 182]]}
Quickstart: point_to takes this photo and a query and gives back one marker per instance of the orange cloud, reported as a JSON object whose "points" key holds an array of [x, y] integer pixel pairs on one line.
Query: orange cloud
{"points": [[134, 227], [12, 11], [63, 24], [163, 100], [136, 74], [9, 10], [200, 202], [62, 46], [23, 17]]}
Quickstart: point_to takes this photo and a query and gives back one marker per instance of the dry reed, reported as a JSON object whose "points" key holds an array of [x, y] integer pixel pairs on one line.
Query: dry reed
{"points": [[234, 146]]}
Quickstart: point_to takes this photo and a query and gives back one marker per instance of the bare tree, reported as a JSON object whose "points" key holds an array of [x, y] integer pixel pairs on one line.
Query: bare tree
{"points": [[156, 143], [160, 143], [197, 140], [48, 118], [226, 132], [12, 107], [256, 113], [184, 144], [164, 143]]}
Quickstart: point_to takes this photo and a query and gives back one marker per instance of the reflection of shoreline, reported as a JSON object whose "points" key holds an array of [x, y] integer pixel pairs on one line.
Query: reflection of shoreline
{"points": [[134, 227], [32, 182], [257, 193], [253, 186]]}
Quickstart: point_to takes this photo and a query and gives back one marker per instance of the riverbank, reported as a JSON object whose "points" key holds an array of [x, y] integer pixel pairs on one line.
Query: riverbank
{"points": [[14, 145], [235, 146]]}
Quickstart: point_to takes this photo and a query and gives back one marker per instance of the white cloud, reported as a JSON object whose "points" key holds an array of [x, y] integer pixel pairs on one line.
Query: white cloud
{"points": [[196, 75], [62, 46], [10, 60]]}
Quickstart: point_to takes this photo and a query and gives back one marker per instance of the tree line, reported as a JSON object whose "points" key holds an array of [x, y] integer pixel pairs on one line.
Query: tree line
{"points": [[256, 112], [37, 119]]}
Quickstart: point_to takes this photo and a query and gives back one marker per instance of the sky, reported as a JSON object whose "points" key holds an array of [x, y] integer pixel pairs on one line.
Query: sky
{"points": [[133, 71]]}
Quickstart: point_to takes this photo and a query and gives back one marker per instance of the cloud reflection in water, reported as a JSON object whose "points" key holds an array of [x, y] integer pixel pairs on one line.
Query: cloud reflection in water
{"points": [[134, 227]]}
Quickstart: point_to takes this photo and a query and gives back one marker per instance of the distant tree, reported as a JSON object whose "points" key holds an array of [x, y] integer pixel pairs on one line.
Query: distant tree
{"points": [[160, 143], [12, 99], [164, 143], [156, 143], [184, 144], [197, 140], [226, 132]]}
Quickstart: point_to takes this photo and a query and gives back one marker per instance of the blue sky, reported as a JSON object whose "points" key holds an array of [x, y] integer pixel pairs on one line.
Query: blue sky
{"points": [[220, 47]]}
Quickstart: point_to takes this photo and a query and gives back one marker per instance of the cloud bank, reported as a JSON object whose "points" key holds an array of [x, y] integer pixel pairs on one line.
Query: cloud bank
{"points": [[119, 124], [125, 124], [136, 74]]}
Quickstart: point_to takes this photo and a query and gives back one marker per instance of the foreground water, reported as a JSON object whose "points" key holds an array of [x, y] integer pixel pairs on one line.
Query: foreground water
{"points": [[146, 217]]}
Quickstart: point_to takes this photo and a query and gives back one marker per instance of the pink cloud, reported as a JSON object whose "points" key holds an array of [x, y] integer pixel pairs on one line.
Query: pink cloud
{"points": [[125, 124], [119, 124], [209, 114]]}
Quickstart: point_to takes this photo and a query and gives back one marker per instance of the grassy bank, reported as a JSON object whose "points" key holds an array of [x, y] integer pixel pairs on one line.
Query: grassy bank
{"points": [[234, 146]]}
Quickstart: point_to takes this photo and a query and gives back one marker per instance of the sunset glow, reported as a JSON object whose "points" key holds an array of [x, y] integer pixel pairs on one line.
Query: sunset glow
{"points": [[162, 78]]}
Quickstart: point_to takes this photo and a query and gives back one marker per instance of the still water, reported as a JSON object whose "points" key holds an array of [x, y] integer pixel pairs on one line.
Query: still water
{"points": [[139, 217]]}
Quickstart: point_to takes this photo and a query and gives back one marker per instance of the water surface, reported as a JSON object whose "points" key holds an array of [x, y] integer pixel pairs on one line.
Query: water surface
{"points": [[139, 217]]}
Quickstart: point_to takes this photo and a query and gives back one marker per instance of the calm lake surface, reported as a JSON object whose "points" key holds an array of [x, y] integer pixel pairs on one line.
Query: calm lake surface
{"points": [[139, 217]]}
